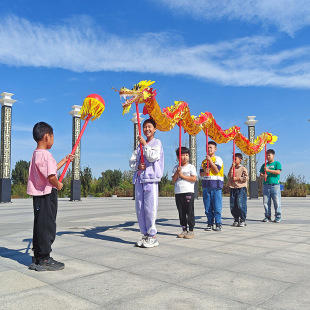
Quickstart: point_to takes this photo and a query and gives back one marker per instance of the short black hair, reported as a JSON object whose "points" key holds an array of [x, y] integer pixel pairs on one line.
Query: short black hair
{"points": [[213, 143], [40, 129], [151, 121], [239, 155], [184, 150], [271, 151]]}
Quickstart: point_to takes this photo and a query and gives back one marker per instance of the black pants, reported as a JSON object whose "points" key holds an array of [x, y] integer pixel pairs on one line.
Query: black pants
{"points": [[44, 226], [185, 205]]}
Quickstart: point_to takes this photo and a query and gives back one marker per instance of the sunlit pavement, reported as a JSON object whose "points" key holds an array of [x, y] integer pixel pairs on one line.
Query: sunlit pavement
{"points": [[260, 266]]}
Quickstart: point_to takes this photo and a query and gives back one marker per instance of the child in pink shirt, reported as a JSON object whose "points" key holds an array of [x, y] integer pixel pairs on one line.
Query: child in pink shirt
{"points": [[43, 185]]}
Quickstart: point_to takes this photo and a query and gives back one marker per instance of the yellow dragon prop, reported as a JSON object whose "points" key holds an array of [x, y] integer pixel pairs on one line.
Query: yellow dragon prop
{"points": [[170, 116]]}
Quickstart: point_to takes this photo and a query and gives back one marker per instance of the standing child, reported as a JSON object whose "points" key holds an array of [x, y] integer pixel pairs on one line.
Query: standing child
{"points": [[212, 184], [271, 187], [43, 185], [184, 178], [146, 178], [238, 191]]}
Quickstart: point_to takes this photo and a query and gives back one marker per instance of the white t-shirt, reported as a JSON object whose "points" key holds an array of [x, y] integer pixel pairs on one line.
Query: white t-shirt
{"points": [[181, 185]]}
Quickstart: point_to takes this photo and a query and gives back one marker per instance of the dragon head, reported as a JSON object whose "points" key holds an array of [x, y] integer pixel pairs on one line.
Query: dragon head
{"points": [[140, 93]]}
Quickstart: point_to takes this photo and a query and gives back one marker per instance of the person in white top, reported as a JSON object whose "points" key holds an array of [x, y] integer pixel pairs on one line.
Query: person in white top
{"points": [[184, 178]]}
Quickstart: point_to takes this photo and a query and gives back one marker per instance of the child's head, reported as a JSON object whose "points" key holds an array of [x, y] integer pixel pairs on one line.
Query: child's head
{"points": [[238, 158], [185, 155], [212, 147], [43, 133], [270, 155], [149, 128]]}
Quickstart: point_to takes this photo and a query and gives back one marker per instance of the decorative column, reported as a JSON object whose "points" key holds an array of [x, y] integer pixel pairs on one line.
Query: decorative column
{"points": [[193, 158], [135, 139], [253, 183], [5, 164], [76, 164]]}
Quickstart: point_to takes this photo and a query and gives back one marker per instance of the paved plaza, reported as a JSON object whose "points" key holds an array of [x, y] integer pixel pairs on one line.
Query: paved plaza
{"points": [[261, 266]]}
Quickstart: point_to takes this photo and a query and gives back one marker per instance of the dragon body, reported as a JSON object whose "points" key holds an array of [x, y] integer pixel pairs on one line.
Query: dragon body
{"points": [[179, 114]]}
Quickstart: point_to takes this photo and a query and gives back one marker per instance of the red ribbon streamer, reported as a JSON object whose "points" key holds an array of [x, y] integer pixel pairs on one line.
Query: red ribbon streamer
{"points": [[234, 157], [139, 128], [75, 146], [180, 141], [207, 137]]}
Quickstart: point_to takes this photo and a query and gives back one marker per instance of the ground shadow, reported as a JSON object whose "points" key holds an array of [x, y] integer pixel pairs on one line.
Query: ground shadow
{"points": [[22, 256]]}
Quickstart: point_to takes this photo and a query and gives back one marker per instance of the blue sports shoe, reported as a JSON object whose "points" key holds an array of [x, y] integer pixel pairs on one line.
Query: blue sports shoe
{"points": [[277, 220]]}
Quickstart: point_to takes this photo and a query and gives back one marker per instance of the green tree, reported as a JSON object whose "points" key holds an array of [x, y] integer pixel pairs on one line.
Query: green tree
{"points": [[112, 178], [65, 191], [20, 172], [295, 186], [86, 180]]}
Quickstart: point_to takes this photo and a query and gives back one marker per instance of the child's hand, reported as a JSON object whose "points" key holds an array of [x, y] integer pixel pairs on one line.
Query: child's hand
{"points": [[233, 164], [141, 166], [141, 140], [207, 171], [235, 179], [208, 157], [179, 169], [59, 186], [71, 157]]}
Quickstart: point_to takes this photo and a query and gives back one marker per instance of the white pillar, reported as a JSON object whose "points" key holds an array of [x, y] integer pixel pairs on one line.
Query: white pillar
{"points": [[75, 193], [253, 183], [5, 164]]}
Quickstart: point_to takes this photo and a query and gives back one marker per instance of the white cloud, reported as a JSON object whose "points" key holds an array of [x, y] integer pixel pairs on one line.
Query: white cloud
{"points": [[21, 128], [40, 100], [241, 62], [287, 15]]}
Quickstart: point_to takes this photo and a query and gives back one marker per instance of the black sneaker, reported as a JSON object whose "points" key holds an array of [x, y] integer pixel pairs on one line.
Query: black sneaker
{"points": [[49, 265], [218, 227], [267, 219], [33, 264], [209, 227]]}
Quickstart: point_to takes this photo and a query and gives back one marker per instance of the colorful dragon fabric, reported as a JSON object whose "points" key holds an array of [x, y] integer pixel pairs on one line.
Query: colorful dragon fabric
{"points": [[179, 113]]}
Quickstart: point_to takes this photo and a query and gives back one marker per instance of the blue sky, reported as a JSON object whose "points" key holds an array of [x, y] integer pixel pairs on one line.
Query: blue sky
{"points": [[230, 58]]}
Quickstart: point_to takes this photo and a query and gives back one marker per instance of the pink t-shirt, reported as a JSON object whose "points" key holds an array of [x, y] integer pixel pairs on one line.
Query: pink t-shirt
{"points": [[42, 165]]}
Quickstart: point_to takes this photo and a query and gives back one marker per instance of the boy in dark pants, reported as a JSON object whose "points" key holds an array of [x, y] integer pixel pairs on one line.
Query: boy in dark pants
{"points": [[238, 191], [184, 177], [43, 185]]}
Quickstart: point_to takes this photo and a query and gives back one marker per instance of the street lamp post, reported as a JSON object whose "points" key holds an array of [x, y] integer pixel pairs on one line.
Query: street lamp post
{"points": [[193, 159], [135, 139], [5, 164], [253, 183], [75, 193]]}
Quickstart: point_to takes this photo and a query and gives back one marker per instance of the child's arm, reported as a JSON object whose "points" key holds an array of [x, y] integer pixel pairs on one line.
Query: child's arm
{"points": [[192, 177], [189, 178], [134, 163], [212, 166], [244, 176], [64, 160], [231, 172], [176, 175], [272, 171], [151, 153], [54, 181]]}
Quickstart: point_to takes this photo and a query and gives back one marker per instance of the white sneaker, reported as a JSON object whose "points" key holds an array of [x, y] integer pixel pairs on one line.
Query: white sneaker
{"points": [[140, 241], [182, 234], [149, 242]]}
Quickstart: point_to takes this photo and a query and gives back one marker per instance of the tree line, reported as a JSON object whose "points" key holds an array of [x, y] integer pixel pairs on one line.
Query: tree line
{"points": [[116, 182]]}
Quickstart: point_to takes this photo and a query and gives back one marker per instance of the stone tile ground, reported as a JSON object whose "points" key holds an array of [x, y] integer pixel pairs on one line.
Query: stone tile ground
{"points": [[261, 266]]}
